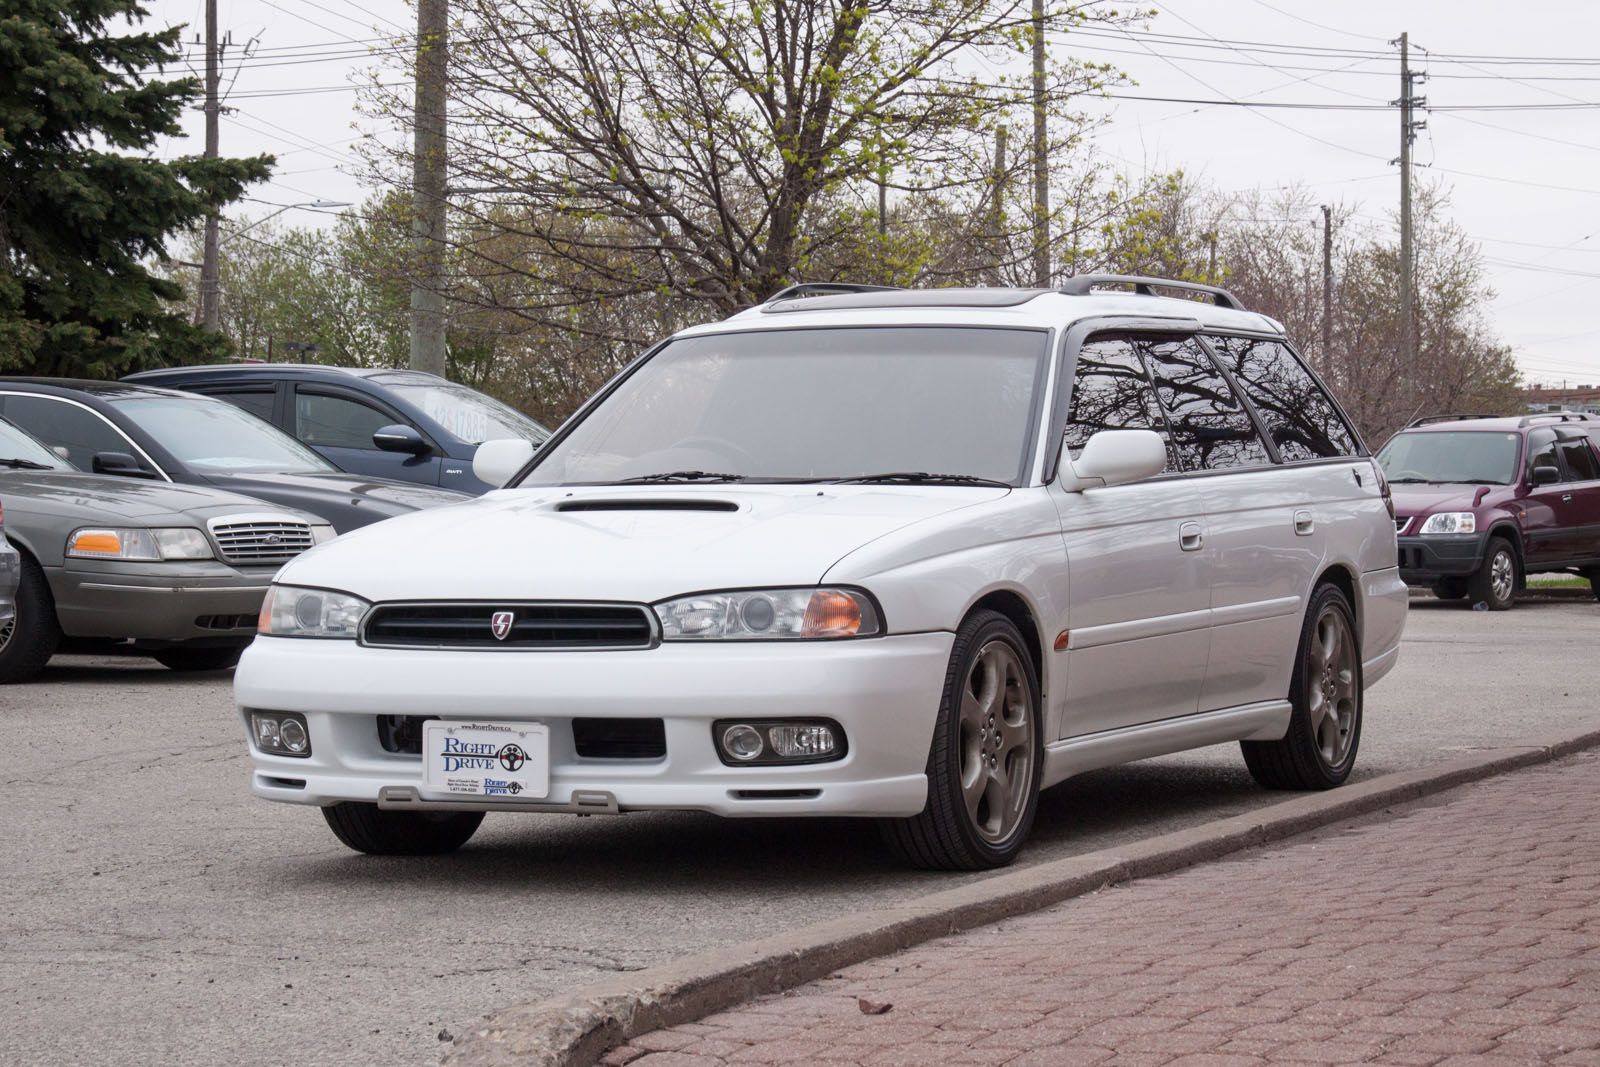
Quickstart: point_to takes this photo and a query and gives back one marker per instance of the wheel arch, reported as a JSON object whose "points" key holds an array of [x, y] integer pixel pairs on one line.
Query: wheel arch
{"points": [[1014, 606], [1343, 578], [1508, 530]]}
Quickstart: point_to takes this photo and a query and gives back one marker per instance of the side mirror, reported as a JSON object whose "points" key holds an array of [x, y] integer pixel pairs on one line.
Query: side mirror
{"points": [[496, 461], [1113, 457], [400, 438], [1546, 475], [119, 463]]}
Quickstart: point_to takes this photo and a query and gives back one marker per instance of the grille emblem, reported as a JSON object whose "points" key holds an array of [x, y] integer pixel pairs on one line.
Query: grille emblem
{"points": [[500, 624]]}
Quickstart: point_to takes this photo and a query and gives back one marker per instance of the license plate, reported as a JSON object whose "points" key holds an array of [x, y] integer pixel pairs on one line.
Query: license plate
{"points": [[510, 761]]}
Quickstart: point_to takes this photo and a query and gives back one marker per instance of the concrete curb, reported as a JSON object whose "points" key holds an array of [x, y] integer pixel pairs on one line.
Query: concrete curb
{"points": [[576, 1030]]}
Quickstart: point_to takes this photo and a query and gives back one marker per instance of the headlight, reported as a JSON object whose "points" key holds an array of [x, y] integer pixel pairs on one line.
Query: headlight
{"points": [[149, 546], [1450, 522], [764, 614], [290, 611]]}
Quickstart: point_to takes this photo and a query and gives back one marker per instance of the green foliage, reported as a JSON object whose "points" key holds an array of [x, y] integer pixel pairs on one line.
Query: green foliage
{"points": [[83, 206]]}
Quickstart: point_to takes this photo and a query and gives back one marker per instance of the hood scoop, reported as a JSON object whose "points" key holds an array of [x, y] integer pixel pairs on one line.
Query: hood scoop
{"points": [[647, 504]]}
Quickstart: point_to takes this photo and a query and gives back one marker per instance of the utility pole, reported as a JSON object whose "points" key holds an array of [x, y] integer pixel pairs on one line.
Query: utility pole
{"points": [[428, 177], [1041, 168], [883, 206], [997, 224], [1327, 283], [210, 269], [1408, 263]]}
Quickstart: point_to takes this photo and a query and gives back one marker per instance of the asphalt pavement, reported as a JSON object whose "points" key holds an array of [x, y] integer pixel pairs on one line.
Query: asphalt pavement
{"points": [[152, 911]]}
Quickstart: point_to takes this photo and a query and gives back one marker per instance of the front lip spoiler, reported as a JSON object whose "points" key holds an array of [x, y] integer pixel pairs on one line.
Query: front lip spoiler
{"points": [[583, 802]]}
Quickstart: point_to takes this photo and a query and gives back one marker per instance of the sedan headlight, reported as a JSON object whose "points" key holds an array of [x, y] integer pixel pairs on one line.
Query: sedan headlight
{"points": [[1450, 522], [764, 614], [149, 546], [292, 611]]}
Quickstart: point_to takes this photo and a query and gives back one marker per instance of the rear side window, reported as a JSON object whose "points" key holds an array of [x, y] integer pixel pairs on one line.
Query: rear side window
{"points": [[1210, 428], [1300, 418], [1112, 392], [257, 401]]}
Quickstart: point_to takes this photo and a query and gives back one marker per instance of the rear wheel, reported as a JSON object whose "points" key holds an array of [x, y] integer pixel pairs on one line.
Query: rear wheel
{"points": [[983, 767], [1495, 583], [368, 828], [1319, 750], [1450, 588], [184, 659], [1593, 574], [30, 639]]}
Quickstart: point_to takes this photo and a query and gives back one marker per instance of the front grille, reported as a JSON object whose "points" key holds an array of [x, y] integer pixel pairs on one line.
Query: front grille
{"points": [[531, 626], [619, 738], [401, 734], [1401, 522], [261, 541]]}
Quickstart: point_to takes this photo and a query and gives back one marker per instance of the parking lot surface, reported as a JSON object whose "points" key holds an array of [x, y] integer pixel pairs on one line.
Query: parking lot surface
{"points": [[154, 912]]}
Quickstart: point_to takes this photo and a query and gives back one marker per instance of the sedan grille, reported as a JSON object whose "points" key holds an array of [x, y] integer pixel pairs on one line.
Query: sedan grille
{"points": [[260, 541], [510, 626], [1401, 522]]}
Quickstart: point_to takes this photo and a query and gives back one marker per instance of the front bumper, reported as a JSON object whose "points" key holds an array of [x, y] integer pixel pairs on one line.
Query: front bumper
{"points": [[1424, 560], [884, 692], [159, 602]]}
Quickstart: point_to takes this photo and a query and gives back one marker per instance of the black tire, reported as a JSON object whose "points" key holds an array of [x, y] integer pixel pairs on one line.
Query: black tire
{"points": [[1298, 761], [1593, 574], [945, 835], [1450, 588], [188, 660], [1481, 586], [29, 642], [367, 828]]}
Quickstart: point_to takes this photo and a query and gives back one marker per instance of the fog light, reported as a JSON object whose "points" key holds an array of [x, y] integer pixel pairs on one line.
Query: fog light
{"points": [[793, 742], [742, 742], [280, 733]]}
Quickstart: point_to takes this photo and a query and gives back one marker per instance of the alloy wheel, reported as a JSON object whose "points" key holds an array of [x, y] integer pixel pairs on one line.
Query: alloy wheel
{"points": [[996, 742], [1502, 575], [1331, 685]]}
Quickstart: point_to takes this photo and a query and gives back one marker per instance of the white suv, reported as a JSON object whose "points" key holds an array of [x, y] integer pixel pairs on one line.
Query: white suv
{"points": [[912, 555]]}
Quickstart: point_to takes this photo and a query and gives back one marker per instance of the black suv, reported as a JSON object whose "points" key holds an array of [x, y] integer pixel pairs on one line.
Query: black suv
{"points": [[387, 423]]}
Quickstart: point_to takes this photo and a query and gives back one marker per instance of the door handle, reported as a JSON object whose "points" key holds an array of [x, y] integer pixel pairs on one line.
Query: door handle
{"points": [[1190, 538], [1304, 524], [1566, 498]]}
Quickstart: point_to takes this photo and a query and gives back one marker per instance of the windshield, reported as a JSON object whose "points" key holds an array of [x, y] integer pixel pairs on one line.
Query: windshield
{"points": [[214, 436], [1470, 456], [816, 404], [17, 444], [466, 413]]}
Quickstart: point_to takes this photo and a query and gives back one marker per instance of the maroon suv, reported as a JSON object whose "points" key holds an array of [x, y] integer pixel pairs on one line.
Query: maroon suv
{"points": [[1481, 502]]}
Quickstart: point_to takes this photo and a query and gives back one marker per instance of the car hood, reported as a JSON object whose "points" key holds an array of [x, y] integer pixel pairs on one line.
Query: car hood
{"points": [[1426, 499], [383, 497], [106, 499], [630, 543]]}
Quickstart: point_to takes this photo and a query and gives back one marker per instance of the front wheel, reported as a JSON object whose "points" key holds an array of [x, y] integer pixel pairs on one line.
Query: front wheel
{"points": [[1319, 750], [368, 828], [1495, 583], [29, 640], [1593, 574], [983, 766], [1450, 588]]}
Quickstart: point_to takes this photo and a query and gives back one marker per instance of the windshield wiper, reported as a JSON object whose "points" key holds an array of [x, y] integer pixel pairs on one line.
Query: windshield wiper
{"points": [[1412, 481], [25, 465], [681, 476], [920, 478]]}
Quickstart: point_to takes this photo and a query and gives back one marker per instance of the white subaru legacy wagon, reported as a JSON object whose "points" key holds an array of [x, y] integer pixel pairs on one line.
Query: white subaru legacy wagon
{"points": [[912, 555]]}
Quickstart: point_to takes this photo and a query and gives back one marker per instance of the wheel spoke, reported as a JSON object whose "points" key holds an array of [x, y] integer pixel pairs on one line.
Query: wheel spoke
{"points": [[973, 785]]}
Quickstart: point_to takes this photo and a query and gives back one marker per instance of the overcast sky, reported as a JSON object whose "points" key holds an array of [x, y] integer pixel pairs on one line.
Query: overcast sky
{"points": [[1525, 183]]}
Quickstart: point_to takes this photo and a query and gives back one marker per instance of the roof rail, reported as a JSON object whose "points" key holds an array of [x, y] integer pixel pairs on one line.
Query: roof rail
{"points": [[826, 288], [1559, 416], [1083, 284], [1459, 416]]}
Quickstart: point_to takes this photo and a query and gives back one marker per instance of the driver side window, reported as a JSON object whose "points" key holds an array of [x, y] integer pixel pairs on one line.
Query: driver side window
{"points": [[1111, 391], [1542, 452]]}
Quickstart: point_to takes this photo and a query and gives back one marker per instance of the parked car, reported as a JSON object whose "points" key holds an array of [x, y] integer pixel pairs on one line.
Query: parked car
{"points": [[176, 571], [911, 555], [401, 424], [1482, 502], [139, 431], [10, 575]]}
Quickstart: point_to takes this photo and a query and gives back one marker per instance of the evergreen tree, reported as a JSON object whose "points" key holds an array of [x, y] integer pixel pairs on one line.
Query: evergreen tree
{"points": [[84, 206]]}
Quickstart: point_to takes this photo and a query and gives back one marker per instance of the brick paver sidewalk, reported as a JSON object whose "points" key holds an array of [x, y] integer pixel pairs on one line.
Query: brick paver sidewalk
{"points": [[1467, 932]]}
